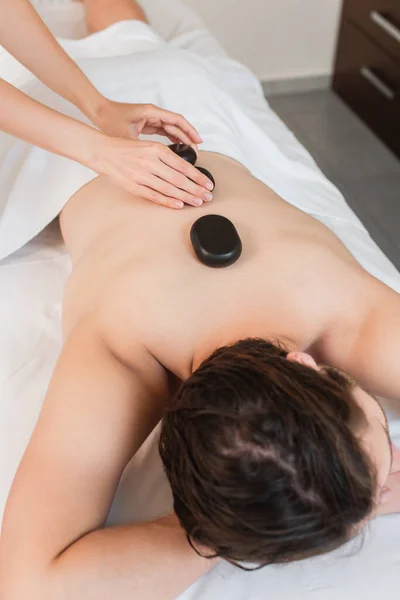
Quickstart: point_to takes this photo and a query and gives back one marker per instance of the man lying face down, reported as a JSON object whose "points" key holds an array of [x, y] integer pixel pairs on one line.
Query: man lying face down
{"points": [[272, 456]]}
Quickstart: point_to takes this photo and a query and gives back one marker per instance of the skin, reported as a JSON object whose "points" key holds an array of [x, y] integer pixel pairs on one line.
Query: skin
{"points": [[140, 314]]}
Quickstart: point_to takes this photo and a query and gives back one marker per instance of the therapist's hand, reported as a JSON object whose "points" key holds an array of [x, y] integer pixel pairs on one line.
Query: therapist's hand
{"points": [[130, 120], [152, 171]]}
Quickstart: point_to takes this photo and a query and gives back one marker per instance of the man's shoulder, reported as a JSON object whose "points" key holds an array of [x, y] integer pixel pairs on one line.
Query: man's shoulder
{"points": [[345, 334]]}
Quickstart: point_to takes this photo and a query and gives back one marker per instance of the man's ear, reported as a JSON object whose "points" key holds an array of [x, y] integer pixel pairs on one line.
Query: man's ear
{"points": [[303, 358]]}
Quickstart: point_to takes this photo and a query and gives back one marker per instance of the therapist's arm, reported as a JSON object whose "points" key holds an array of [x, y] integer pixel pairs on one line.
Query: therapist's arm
{"points": [[26, 37], [142, 168], [53, 546], [148, 170], [31, 121]]}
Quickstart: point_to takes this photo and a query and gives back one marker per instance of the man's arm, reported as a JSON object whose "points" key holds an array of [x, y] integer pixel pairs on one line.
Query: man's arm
{"points": [[375, 359], [369, 349], [96, 414]]}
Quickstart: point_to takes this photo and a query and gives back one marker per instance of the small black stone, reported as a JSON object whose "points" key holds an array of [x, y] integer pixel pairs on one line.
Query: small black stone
{"points": [[207, 174], [185, 151]]}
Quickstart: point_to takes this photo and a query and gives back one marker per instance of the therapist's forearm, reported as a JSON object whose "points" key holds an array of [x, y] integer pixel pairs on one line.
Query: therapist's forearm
{"points": [[28, 120], [26, 37]]}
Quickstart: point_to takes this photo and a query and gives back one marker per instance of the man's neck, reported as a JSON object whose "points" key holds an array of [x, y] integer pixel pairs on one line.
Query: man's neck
{"points": [[228, 337]]}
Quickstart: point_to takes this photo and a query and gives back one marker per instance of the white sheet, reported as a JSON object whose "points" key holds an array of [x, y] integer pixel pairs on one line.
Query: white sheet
{"points": [[32, 281]]}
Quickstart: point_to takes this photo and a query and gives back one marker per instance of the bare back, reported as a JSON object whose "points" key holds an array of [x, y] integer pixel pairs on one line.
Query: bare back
{"points": [[134, 265]]}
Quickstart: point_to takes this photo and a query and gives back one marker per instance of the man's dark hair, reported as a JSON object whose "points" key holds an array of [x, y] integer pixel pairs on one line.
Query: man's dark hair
{"points": [[264, 456]]}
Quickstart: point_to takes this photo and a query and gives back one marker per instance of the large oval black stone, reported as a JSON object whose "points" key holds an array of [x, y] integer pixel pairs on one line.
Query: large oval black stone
{"points": [[215, 241]]}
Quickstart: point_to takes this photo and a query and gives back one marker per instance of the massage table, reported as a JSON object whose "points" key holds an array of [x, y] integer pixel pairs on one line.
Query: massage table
{"points": [[33, 275]]}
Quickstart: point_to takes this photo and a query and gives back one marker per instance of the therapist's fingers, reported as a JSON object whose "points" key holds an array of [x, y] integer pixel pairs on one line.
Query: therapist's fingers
{"points": [[173, 139], [181, 183], [174, 192], [172, 132], [149, 193], [180, 125], [185, 168]]}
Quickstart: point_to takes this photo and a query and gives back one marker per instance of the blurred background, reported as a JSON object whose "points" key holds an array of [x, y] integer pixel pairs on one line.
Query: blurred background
{"points": [[276, 39], [331, 70]]}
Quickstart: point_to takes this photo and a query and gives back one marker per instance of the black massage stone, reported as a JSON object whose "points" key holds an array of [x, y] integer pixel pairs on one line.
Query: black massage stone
{"points": [[184, 151], [215, 241], [207, 174]]}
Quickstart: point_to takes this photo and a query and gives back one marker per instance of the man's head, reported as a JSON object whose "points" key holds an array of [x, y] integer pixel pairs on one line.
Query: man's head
{"points": [[270, 457]]}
